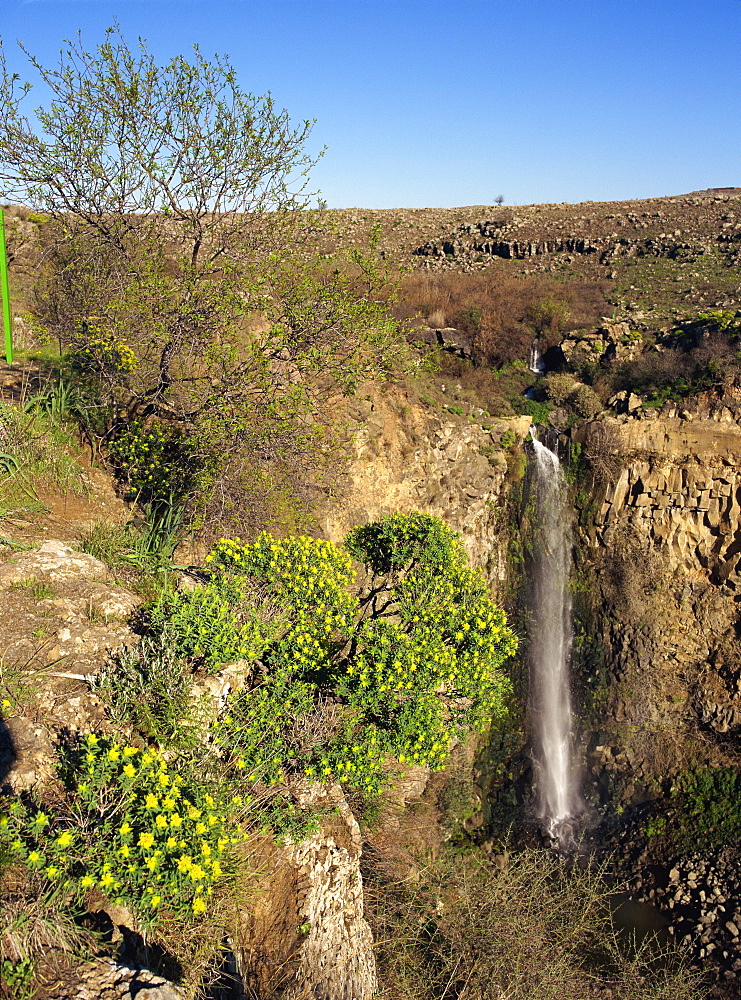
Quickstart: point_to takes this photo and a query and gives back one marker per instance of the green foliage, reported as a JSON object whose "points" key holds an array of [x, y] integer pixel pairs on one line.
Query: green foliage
{"points": [[721, 319], [347, 681], [586, 402], [469, 319], [539, 412], [564, 390], [710, 807], [37, 588], [141, 555], [656, 827], [704, 807], [35, 447], [16, 977], [155, 461], [508, 439], [549, 315], [559, 388], [101, 353], [403, 541], [58, 401], [149, 685], [153, 547], [217, 622], [138, 831]]}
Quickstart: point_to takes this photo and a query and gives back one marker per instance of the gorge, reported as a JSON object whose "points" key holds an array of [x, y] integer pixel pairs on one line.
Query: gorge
{"points": [[619, 561]]}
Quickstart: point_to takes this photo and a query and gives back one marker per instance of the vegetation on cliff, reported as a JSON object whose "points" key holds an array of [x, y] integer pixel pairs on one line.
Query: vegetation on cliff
{"points": [[182, 275], [331, 684], [208, 326]]}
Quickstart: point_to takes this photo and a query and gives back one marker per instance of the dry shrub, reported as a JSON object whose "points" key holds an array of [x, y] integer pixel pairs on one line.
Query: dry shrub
{"points": [[539, 928], [437, 319], [503, 313], [603, 455], [37, 928], [675, 372]]}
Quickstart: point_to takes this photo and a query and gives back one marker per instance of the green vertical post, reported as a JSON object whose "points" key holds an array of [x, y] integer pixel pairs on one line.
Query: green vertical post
{"points": [[4, 289]]}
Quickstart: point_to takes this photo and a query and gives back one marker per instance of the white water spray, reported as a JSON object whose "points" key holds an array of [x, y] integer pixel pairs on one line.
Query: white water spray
{"points": [[557, 776], [537, 364]]}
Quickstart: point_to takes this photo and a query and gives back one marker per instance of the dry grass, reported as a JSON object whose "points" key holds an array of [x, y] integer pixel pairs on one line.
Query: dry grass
{"points": [[38, 935], [503, 313], [539, 928]]}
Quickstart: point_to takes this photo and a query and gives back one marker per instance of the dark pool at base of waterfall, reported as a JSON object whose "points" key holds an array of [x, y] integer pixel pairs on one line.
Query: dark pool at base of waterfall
{"points": [[638, 922]]}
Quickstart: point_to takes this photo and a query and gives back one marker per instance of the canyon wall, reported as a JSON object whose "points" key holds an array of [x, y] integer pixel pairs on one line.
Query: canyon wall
{"points": [[659, 567], [405, 456]]}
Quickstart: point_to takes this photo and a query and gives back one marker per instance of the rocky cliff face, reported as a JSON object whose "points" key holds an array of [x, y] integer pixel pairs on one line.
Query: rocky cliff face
{"points": [[405, 457], [306, 927], [662, 551]]}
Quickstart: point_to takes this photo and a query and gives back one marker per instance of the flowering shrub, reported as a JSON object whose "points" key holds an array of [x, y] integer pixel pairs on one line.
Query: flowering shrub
{"points": [[137, 831], [156, 461], [217, 622], [100, 352], [309, 577], [410, 664]]}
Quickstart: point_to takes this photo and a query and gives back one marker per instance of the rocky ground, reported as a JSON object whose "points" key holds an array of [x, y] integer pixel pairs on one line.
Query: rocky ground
{"points": [[663, 258]]}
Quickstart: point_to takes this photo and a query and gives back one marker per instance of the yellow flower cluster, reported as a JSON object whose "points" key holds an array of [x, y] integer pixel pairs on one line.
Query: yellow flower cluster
{"points": [[104, 351], [410, 676], [166, 851], [310, 577]]}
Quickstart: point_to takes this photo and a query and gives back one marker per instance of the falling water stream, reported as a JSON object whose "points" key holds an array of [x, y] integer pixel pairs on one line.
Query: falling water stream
{"points": [[558, 801], [537, 364]]}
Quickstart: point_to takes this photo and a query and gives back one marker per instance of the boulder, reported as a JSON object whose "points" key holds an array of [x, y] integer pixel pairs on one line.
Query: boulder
{"points": [[54, 562]]}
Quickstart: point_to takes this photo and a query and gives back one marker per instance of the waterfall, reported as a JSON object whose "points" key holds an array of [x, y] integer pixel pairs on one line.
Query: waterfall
{"points": [[557, 776], [537, 364]]}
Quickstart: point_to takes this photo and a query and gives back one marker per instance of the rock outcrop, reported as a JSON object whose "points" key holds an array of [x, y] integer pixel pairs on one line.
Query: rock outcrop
{"points": [[306, 926], [104, 979], [665, 543], [408, 458]]}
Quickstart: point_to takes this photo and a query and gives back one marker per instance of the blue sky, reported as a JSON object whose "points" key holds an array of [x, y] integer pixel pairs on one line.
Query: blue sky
{"points": [[425, 103]]}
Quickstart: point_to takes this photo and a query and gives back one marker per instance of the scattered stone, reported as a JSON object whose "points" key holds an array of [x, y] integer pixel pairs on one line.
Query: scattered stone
{"points": [[53, 561]]}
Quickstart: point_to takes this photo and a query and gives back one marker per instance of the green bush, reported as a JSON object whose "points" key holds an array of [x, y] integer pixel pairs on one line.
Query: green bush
{"points": [[710, 806], [564, 390], [217, 622], [157, 461], [586, 402], [347, 681], [559, 388], [135, 828], [539, 412], [100, 353]]}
